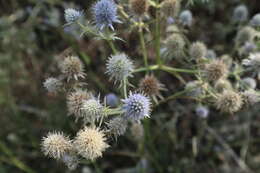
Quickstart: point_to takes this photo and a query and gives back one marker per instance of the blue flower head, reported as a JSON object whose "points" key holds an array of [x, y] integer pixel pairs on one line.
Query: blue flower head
{"points": [[71, 15], [186, 17], [105, 13], [136, 106]]}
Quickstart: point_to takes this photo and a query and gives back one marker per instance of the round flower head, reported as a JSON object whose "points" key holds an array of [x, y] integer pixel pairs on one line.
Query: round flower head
{"points": [[215, 70], [92, 110], [198, 50], [255, 21], [90, 143], [136, 106], [211, 54], [202, 111], [229, 101], [240, 13], [139, 7], [52, 84], [194, 89], [105, 14], [112, 100], [72, 68], [119, 67], [171, 7], [71, 15], [253, 62], [245, 34], [186, 18], [56, 145], [175, 46], [117, 126], [71, 161], [249, 82], [250, 97], [222, 85], [75, 102], [151, 86], [247, 48]]}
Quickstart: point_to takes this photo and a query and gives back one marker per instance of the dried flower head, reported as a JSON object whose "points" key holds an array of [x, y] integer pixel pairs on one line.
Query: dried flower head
{"points": [[117, 126], [92, 110], [139, 7], [229, 101], [186, 18], [75, 102], [151, 86], [136, 106], [56, 145], [119, 67], [90, 143], [105, 14], [175, 46], [222, 85], [171, 7], [250, 97], [202, 111], [72, 68], [255, 21], [71, 15], [252, 62], [246, 34], [240, 13], [215, 70], [52, 84], [198, 50], [249, 82]]}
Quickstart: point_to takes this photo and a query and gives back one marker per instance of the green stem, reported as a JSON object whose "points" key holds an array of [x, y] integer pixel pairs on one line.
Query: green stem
{"points": [[141, 35], [172, 69], [112, 46], [157, 37], [124, 87]]}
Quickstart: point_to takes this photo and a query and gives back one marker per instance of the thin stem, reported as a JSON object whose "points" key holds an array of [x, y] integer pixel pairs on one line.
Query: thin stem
{"points": [[157, 37], [141, 35], [112, 46], [172, 69], [124, 87]]}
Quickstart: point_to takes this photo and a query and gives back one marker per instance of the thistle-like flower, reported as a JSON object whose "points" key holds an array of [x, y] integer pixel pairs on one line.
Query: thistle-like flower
{"points": [[52, 84], [71, 15], [222, 85], [211, 54], [186, 18], [139, 7], [215, 70], [202, 111], [255, 21], [171, 7], [252, 62], [119, 67], [92, 110], [56, 145], [75, 102], [250, 97], [72, 68], [90, 143], [247, 48], [246, 34], [229, 101], [194, 89], [249, 82], [105, 14], [111, 100], [136, 106], [240, 13], [198, 50], [117, 126], [175, 46]]}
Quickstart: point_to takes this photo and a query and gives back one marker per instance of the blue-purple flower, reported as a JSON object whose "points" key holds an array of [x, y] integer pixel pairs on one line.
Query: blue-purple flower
{"points": [[105, 13], [136, 106]]}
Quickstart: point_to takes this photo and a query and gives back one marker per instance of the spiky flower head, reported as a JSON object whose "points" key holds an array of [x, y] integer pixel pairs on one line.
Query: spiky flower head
{"points": [[105, 14], [249, 82], [151, 86], [202, 111], [240, 13], [175, 45], [71, 15], [136, 106], [245, 34], [117, 126], [52, 84], [72, 68], [229, 101], [215, 70], [111, 100], [92, 110], [222, 85], [198, 50], [186, 18], [171, 7], [139, 7], [75, 102], [90, 143], [119, 67], [56, 145], [250, 97], [252, 62], [255, 21]]}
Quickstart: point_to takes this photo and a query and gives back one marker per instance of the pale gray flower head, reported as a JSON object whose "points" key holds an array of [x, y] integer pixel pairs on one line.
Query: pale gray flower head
{"points": [[255, 21], [119, 67], [240, 13], [92, 110], [198, 50], [202, 111], [186, 18], [71, 161], [52, 84], [71, 15], [117, 126], [211, 54], [250, 97], [252, 62], [249, 82]]}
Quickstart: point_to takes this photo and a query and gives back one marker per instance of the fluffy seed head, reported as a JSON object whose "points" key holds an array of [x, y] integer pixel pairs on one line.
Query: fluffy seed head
{"points": [[229, 101], [151, 86], [117, 126], [52, 84], [75, 102], [90, 143], [202, 111], [136, 106], [72, 68], [245, 34], [255, 21], [119, 67], [215, 70], [250, 97], [175, 45], [171, 7], [92, 110], [252, 62], [105, 13], [249, 82], [186, 18], [56, 145], [139, 7], [71, 15], [240, 13], [198, 50]]}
